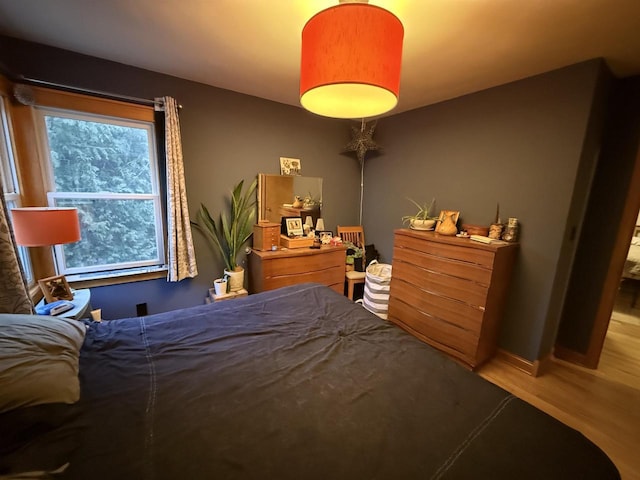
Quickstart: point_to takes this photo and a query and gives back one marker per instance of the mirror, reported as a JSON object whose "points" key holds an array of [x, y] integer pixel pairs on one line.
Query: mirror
{"points": [[277, 195]]}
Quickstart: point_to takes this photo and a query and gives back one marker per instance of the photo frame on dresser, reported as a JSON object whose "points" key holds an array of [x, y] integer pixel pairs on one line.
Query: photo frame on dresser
{"points": [[455, 214], [294, 226], [324, 236]]}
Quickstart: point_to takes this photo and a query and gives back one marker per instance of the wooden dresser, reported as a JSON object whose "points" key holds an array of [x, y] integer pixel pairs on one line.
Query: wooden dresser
{"points": [[450, 291], [270, 270]]}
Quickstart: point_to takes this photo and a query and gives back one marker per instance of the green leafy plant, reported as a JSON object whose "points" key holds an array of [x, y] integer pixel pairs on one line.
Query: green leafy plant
{"points": [[232, 231], [353, 252], [423, 213]]}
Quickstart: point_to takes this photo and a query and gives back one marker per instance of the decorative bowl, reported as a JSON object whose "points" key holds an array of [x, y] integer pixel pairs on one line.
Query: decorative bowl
{"points": [[475, 229]]}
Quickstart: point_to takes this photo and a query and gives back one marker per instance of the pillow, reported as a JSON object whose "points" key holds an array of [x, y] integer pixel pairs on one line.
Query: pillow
{"points": [[39, 360]]}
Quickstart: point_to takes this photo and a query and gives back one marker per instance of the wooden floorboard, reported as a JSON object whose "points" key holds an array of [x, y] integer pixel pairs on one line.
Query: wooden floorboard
{"points": [[603, 404]]}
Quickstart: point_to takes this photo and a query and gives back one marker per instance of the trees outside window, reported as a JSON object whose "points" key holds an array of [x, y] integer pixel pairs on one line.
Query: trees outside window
{"points": [[106, 167]]}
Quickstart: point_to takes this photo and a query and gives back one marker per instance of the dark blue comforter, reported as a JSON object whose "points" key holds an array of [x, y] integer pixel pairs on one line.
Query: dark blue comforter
{"points": [[298, 383]]}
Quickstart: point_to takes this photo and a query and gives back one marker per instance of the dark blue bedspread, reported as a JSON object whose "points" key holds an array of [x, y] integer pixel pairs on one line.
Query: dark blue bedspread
{"points": [[298, 383]]}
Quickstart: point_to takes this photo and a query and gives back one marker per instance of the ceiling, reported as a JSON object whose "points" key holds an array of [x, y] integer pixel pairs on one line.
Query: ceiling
{"points": [[451, 47]]}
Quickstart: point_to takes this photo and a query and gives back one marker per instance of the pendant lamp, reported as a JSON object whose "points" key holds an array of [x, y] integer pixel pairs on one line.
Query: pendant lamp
{"points": [[351, 58]]}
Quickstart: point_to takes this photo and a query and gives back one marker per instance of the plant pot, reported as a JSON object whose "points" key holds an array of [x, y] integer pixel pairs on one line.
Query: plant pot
{"points": [[357, 265], [220, 286], [236, 279], [417, 224]]}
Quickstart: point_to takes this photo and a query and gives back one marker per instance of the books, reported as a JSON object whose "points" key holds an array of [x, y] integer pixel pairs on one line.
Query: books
{"points": [[54, 308], [480, 238]]}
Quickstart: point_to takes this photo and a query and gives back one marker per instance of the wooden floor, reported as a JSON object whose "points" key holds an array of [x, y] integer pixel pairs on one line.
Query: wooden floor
{"points": [[603, 404]]}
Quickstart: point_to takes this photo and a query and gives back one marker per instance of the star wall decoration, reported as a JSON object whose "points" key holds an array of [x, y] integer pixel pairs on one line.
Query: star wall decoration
{"points": [[362, 140]]}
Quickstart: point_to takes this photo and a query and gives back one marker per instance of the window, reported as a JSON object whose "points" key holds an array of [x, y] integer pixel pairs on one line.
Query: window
{"points": [[10, 184], [106, 167]]}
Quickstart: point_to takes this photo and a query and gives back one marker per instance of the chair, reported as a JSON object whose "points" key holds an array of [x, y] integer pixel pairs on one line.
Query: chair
{"points": [[354, 235]]}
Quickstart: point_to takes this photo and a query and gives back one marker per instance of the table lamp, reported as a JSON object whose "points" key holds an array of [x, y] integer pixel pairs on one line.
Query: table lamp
{"points": [[45, 226]]}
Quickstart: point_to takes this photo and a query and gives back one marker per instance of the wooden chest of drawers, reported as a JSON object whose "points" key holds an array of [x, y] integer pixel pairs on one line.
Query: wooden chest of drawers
{"points": [[266, 236], [450, 292], [270, 270]]}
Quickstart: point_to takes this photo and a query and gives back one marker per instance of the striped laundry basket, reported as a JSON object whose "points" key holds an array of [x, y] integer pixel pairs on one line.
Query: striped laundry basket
{"points": [[376, 288]]}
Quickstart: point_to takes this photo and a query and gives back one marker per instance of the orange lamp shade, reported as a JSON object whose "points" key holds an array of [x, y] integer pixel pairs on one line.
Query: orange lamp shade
{"points": [[351, 59], [40, 226]]}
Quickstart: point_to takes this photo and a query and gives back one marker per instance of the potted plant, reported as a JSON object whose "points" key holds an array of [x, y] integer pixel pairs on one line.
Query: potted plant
{"points": [[422, 219], [231, 232]]}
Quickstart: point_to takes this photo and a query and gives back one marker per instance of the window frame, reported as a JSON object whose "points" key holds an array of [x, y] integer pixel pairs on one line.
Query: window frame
{"points": [[10, 180], [32, 171], [155, 196]]}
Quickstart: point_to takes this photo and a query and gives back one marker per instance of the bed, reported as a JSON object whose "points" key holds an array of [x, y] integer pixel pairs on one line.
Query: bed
{"points": [[295, 383]]}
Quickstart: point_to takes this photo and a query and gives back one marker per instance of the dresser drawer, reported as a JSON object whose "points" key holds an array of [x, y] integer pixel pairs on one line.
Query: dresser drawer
{"points": [[329, 276], [440, 284], [269, 270], [452, 311], [443, 335], [296, 265], [455, 268], [466, 252]]}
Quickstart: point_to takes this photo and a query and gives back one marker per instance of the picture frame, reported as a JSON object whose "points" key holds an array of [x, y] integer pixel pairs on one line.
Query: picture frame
{"points": [[55, 288], [294, 226], [290, 166], [446, 213], [324, 236]]}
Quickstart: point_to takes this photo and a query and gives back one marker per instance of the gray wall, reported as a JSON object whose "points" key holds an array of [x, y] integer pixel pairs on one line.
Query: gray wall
{"points": [[519, 144], [226, 137], [530, 145]]}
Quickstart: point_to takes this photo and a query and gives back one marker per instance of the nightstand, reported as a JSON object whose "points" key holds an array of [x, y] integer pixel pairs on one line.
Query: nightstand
{"points": [[212, 297], [81, 305]]}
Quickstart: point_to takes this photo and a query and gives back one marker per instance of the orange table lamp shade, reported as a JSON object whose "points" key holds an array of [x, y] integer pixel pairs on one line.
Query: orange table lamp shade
{"points": [[40, 226], [351, 59]]}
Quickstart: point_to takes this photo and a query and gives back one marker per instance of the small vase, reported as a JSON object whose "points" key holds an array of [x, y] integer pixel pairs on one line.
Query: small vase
{"points": [[447, 226], [495, 231], [220, 285], [236, 279]]}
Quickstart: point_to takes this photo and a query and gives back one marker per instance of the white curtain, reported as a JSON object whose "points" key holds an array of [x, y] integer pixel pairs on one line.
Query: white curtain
{"points": [[181, 255]]}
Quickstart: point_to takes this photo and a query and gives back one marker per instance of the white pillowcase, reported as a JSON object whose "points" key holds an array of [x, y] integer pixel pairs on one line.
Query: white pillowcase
{"points": [[39, 360]]}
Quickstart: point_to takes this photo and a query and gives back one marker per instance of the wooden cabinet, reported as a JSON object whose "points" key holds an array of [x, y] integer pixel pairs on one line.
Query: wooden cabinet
{"points": [[450, 291], [270, 270], [266, 236]]}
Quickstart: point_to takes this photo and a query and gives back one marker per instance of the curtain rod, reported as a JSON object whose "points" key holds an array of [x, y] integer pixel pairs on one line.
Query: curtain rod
{"points": [[158, 104]]}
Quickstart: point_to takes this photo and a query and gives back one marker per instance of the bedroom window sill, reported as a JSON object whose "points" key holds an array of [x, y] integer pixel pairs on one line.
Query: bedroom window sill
{"points": [[103, 279], [100, 279]]}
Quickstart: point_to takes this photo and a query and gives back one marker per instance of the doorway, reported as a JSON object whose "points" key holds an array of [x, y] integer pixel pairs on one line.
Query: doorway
{"points": [[608, 224], [626, 230]]}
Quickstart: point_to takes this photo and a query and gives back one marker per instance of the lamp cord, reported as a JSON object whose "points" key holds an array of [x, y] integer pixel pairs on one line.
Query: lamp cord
{"points": [[362, 127]]}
